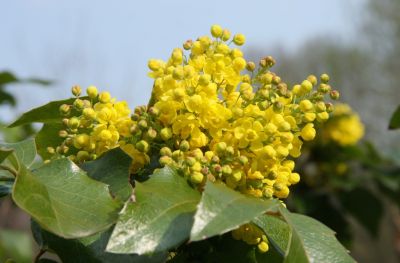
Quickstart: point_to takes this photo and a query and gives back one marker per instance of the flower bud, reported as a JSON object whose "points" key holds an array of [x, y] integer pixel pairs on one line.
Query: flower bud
{"points": [[188, 44], [216, 31], [142, 146], [165, 151], [226, 35], [104, 97], [78, 103], [312, 79], [82, 156], [165, 160], [196, 177], [76, 90], [306, 86], [51, 150], [142, 124], [151, 133], [89, 113], [324, 78], [220, 147], [226, 170], [334, 94], [166, 134], [243, 160], [65, 109], [73, 123], [250, 66], [92, 92], [184, 146], [239, 39]]}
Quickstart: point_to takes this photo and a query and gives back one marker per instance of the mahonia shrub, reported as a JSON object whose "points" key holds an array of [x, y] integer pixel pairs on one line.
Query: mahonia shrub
{"points": [[213, 116]]}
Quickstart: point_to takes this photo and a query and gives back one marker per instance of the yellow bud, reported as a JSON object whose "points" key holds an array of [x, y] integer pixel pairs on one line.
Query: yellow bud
{"points": [[324, 78], [92, 92], [309, 116], [294, 178], [154, 64], [82, 156], [196, 177], [226, 35], [306, 86], [312, 79], [306, 105], [105, 135], [166, 134], [89, 113], [204, 79], [142, 146], [239, 63], [239, 39], [104, 97], [308, 132], [165, 151], [81, 141], [263, 247], [322, 116], [216, 31], [73, 123]]}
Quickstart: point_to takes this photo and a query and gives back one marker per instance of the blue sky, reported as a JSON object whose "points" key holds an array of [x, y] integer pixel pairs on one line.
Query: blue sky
{"points": [[108, 45]]}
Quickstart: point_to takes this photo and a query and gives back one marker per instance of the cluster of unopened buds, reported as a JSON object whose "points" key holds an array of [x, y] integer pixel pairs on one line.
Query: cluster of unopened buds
{"points": [[212, 116]]}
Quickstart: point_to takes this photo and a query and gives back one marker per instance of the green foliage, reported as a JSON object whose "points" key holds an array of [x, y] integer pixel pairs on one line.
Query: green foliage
{"points": [[64, 200], [48, 113], [395, 120], [15, 245], [161, 217], [221, 210]]}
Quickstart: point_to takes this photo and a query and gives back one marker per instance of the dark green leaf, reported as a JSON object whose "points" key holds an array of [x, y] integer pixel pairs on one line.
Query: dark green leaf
{"points": [[277, 231], [64, 200], [48, 113], [369, 218], [395, 120], [311, 241], [4, 153], [222, 209], [161, 217], [112, 168], [7, 98], [43, 82], [48, 137], [25, 151], [75, 251], [7, 77]]}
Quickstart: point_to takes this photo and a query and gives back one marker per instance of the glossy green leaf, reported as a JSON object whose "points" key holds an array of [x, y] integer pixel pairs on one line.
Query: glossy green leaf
{"points": [[75, 251], [369, 218], [311, 241], [161, 217], [112, 168], [47, 113], [64, 200], [395, 120], [222, 209], [7, 98], [48, 137], [25, 151], [277, 231]]}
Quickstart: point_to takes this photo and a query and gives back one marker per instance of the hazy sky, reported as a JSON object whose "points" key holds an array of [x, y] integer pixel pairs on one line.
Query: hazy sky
{"points": [[108, 45]]}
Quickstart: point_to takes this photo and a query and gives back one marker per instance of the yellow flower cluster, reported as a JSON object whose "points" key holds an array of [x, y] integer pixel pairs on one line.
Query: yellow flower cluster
{"points": [[344, 128], [93, 125], [223, 119], [252, 235]]}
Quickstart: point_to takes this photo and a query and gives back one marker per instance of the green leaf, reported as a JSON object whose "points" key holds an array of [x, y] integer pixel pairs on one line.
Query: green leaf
{"points": [[4, 153], [369, 218], [395, 120], [6, 98], [311, 241], [75, 251], [47, 113], [161, 217], [64, 200], [48, 137], [25, 151], [277, 231], [222, 209], [43, 82], [112, 168], [7, 77], [16, 245]]}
